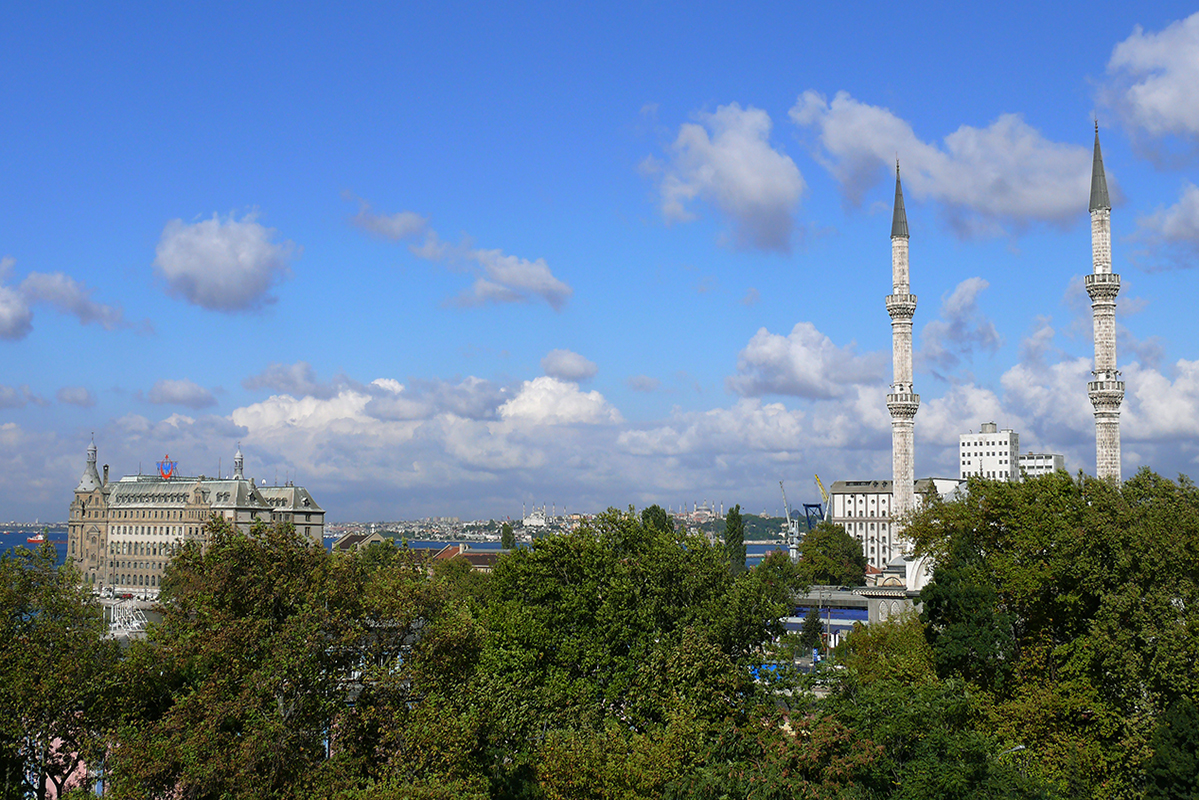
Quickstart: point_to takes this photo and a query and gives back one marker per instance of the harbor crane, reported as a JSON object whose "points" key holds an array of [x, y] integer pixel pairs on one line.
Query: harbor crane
{"points": [[813, 513]]}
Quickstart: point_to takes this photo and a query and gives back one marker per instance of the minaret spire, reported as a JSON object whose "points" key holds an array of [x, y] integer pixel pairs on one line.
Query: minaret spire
{"points": [[1099, 198], [902, 401], [1106, 390], [899, 218]]}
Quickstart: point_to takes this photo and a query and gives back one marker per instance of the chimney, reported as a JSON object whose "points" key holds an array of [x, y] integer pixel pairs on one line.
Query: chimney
{"points": [[105, 474]]}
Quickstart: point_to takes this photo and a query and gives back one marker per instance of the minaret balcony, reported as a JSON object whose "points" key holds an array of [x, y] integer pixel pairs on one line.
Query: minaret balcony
{"points": [[1102, 285], [901, 306], [903, 405], [1105, 387]]}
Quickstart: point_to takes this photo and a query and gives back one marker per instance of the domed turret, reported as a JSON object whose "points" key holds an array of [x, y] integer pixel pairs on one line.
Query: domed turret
{"points": [[239, 464], [90, 481]]}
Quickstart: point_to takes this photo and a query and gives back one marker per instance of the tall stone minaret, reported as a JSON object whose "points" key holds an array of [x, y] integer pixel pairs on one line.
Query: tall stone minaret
{"points": [[1106, 390], [902, 401]]}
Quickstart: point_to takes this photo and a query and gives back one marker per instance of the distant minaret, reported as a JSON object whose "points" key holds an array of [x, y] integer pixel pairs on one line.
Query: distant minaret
{"points": [[902, 401], [1106, 390]]}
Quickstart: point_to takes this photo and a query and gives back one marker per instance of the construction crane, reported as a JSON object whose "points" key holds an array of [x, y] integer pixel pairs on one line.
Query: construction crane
{"points": [[828, 507], [793, 536]]}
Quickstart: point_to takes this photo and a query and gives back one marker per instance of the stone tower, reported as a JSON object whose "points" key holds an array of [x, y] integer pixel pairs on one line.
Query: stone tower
{"points": [[1106, 390], [902, 401]]}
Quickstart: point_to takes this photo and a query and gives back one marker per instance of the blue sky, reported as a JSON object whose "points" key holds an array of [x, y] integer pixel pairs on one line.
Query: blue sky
{"points": [[455, 258]]}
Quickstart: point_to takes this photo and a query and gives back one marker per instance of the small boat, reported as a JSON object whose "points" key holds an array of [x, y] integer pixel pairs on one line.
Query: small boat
{"points": [[37, 538]]}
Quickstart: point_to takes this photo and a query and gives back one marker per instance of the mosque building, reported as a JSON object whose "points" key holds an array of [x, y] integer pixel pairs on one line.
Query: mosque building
{"points": [[872, 511], [122, 533]]}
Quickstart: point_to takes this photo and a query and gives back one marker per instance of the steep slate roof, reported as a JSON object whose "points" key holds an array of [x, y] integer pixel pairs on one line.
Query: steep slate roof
{"points": [[289, 498]]}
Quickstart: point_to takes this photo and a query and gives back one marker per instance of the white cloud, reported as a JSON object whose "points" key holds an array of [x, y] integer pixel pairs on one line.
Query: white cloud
{"points": [[499, 278], [1154, 79], [726, 161], [1169, 237], [1004, 174], [547, 400], [508, 279], [642, 383], [223, 264], [19, 396], [752, 296], [963, 408], [63, 292], [748, 425], [960, 329], [181, 393], [16, 320], [76, 396], [568, 365], [1161, 409], [805, 363], [296, 379], [69, 296], [471, 398], [401, 225]]}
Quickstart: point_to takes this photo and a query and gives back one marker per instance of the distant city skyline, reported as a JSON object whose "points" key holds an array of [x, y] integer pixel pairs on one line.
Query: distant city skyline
{"points": [[448, 261]]}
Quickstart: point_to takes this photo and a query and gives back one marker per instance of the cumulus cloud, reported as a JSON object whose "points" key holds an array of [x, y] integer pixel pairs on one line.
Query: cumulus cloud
{"points": [[225, 265], [1169, 237], [16, 320], [642, 383], [60, 291], [1154, 80], [548, 400], [76, 396], [726, 160], [960, 329], [508, 279], [401, 225], [499, 278], [297, 379], [180, 393], [984, 178], [69, 296], [805, 363], [568, 365], [19, 396], [470, 398]]}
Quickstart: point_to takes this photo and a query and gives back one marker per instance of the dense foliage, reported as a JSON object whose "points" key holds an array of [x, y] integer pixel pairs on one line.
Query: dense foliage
{"points": [[1054, 657], [828, 555], [1072, 607]]}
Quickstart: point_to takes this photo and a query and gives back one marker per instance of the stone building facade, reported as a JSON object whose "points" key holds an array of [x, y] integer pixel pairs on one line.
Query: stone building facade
{"points": [[122, 533]]}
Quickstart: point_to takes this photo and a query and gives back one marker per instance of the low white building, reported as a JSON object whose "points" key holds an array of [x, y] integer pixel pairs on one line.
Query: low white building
{"points": [[1034, 464]]}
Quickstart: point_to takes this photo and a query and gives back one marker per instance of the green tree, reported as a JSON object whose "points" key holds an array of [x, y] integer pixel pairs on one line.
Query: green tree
{"points": [[1173, 769], [734, 539], [618, 630], [656, 517], [813, 627], [830, 556], [971, 636], [933, 735], [507, 537], [1100, 585], [55, 675]]}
